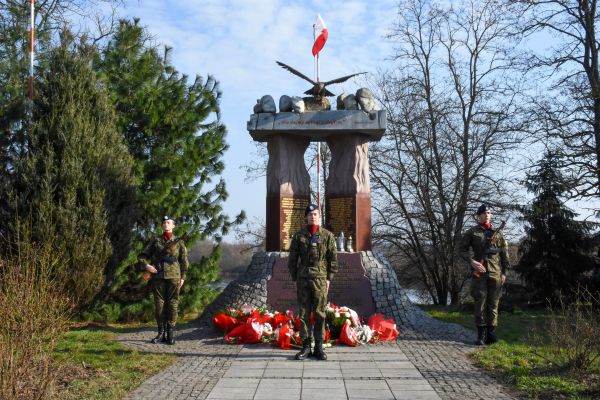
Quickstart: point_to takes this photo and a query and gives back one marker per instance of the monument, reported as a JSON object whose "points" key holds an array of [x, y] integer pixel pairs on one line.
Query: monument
{"points": [[365, 281], [348, 202]]}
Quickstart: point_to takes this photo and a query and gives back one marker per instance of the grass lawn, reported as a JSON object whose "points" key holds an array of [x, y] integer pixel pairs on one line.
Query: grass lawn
{"points": [[92, 365], [521, 363]]}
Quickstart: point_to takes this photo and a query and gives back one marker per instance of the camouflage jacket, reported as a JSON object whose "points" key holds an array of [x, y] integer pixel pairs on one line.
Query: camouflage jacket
{"points": [[313, 257], [495, 254], [170, 265]]}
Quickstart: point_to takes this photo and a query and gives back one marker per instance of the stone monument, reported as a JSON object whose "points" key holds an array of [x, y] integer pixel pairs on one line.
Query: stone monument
{"points": [[365, 282], [348, 206]]}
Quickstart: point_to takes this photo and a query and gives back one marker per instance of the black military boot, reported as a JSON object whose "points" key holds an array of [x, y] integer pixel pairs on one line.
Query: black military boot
{"points": [[161, 334], [319, 353], [305, 352], [480, 336], [170, 339], [491, 335]]}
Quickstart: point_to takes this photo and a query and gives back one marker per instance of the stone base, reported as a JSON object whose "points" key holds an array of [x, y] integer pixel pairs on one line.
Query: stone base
{"points": [[381, 291], [350, 286]]}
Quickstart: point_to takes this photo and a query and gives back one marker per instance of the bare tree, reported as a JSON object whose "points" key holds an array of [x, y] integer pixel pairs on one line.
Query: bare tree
{"points": [[568, 111], [453, 118]]}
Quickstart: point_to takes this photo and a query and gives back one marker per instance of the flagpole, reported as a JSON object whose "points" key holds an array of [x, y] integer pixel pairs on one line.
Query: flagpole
{"points": [[318, 143], [318, 70]]}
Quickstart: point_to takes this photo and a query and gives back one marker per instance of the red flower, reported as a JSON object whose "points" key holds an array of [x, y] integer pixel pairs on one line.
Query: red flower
{"points": [[249, 333], [348, 335], [266, 318], [384, 328], [225, 322], [280, 319], [284, 339]]}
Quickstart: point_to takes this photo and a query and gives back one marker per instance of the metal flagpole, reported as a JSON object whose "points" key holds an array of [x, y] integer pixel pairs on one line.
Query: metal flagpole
{"points": [[31, 47], [318, 143]]}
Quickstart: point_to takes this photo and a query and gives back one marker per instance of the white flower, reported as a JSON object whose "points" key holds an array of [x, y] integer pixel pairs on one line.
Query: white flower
{"points": [[267, 329], [247, 309], [364, 334]]}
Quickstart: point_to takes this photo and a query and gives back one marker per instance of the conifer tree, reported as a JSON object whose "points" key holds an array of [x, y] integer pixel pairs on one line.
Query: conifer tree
{"points": [[173, 132], [75, 183], [556, 250]]}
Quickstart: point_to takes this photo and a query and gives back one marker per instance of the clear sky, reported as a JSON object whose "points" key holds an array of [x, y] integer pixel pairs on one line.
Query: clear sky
{"points": [[238, 42]]}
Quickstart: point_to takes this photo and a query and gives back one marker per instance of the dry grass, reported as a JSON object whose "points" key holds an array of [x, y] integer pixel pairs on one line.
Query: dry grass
{"points": [[33, 315], [571, 332]]}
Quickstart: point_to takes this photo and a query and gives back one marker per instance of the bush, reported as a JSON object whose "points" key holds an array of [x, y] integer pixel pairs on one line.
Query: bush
{"points": [[572, 332], [33, 314]]}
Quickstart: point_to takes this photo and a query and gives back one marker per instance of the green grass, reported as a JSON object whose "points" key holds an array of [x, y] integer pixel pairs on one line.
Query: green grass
{"points": [[92, 365], [521, 363], [512, 328]]}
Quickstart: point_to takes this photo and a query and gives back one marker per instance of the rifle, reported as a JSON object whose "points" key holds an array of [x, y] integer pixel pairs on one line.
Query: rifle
{"points": [[486, 249], [167, 249]]}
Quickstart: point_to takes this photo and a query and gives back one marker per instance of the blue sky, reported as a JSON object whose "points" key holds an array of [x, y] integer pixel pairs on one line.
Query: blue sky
{"points": [[238, 41]]}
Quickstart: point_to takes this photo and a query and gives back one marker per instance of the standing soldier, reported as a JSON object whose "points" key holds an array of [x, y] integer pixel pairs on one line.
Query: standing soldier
{"points": [[489, 266], [312, 265], [165, 257]]}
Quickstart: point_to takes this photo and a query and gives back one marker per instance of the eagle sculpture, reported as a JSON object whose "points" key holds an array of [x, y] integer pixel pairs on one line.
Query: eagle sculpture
{"points": [[318, 90]]}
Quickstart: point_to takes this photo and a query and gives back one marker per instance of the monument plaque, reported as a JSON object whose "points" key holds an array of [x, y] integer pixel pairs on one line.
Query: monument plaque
{"points": [[288, 189], [292, 217], [340, 216], [350, 286]]}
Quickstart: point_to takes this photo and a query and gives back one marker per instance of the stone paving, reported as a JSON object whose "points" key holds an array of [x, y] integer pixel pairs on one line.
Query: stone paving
{"points": [[430, 359], [410, 368]]}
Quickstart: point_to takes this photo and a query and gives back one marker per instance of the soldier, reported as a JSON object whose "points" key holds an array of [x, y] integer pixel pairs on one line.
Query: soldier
{"points": [[489, 266], [165, 257], [312, 265]]}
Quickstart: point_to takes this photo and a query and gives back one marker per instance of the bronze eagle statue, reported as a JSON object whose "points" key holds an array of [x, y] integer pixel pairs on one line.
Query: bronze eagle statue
{"points": [[318, 90]]}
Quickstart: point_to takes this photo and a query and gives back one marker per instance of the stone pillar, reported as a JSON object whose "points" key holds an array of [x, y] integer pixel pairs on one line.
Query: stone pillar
{"points": [[288, 189], [348, 203]]}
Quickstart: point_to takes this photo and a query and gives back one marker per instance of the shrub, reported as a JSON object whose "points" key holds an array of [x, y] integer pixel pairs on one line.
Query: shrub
{"points": [[572, 331], [33, 314]]}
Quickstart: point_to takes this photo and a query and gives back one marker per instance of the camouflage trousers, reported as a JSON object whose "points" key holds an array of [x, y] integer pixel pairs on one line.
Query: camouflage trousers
{"points": [[312, 297], [166, 300], [486, 292]]}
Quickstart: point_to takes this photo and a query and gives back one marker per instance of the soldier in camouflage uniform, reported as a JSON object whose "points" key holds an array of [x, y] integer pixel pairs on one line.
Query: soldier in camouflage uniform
{"points": [[489, 265], [165, 257], [312, 265]]}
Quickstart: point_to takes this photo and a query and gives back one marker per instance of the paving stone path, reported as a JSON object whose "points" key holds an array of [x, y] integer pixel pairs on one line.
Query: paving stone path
{"points": [[420, 365], [430, 359]]}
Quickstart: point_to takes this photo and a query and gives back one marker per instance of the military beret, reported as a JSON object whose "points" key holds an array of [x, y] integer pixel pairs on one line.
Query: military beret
{"points": [[166, 218], [309, 208], [483, 208]]}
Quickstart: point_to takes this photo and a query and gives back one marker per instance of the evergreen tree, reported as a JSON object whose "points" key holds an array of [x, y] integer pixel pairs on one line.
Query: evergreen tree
{"points": [[14, 66], [75, 182], [174, 134], [556, 250]]}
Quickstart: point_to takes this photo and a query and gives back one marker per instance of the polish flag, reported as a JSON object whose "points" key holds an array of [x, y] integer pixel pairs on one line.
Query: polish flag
{"points": [[320, 34]]}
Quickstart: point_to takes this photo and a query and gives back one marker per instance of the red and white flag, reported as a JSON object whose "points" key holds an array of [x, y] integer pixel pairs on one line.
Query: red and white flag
{"points": [[320, 35]]}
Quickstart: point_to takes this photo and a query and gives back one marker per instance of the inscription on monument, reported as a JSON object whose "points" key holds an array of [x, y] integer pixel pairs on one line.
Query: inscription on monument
{"points": [[350, 287], [292, 217], [340, 218]]}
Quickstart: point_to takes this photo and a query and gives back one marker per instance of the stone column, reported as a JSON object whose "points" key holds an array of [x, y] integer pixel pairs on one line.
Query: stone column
{"points": [[288, 189], [348, 203]]}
